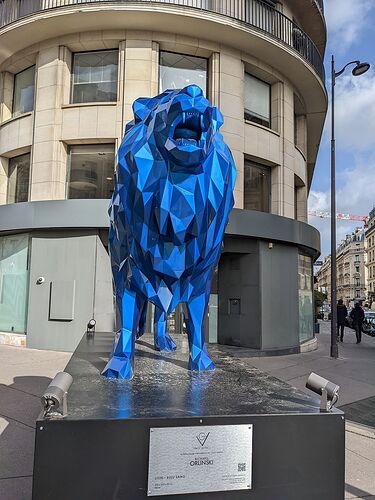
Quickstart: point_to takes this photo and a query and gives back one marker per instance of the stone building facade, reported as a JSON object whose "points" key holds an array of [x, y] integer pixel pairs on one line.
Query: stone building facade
{"points": [[351, 268], [324, 277], [352, 272], [370, 252], [69, 73]]}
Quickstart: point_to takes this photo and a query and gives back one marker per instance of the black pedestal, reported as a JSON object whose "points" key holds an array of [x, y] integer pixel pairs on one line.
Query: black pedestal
{"points": [[100, 451]]}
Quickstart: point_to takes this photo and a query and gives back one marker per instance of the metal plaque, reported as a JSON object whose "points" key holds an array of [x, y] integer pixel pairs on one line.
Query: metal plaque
{"points": [[199, 459]]}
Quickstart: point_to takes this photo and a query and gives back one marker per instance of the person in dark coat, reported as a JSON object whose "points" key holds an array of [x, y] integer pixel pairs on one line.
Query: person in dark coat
{"points": [[357, 314], [342, 313]]}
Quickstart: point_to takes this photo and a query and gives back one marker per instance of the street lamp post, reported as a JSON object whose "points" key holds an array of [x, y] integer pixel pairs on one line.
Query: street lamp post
{"points": [[358, 70]]}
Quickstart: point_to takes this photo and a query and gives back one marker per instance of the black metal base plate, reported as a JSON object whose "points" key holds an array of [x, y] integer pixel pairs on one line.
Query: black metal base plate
{"points": [[100, 451]]}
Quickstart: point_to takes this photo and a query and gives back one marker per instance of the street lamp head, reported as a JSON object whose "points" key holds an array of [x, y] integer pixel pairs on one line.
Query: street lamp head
{"points": [[360, 68]]}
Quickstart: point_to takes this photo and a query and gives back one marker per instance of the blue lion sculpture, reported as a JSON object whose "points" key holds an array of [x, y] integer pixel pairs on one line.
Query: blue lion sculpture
{"points": [[172, 199]]}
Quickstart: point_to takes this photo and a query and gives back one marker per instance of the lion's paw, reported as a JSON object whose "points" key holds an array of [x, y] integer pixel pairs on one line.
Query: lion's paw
{"points": [[118, 367], [164, 343]]}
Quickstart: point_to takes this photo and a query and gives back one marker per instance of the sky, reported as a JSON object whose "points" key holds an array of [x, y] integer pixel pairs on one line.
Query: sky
{"points": [[351, 36]]}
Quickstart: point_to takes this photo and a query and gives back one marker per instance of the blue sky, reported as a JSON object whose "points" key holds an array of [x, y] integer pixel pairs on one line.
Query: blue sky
{"points": [[351, 36]]}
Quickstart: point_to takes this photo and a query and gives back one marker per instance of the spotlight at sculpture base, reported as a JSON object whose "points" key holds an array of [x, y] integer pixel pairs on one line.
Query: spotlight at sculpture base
{"points": [[171, 203]]}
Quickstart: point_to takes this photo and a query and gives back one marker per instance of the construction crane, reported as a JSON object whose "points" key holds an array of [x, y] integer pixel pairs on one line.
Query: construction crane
{"points": [[325, 215]]}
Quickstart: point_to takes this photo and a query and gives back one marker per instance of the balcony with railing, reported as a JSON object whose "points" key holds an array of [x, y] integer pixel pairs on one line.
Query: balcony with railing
{"points": [[256, 14]]}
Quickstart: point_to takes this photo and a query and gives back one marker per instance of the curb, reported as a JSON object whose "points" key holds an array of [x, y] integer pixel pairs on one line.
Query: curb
{"points": [[360, 430]]}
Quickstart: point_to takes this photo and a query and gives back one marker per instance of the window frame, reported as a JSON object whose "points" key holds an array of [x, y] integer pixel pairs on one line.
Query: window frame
{"points": [[72, 84], [69, 167], [258, 120], [28, 181], [205, 93], [264, 168], [14, 93]]}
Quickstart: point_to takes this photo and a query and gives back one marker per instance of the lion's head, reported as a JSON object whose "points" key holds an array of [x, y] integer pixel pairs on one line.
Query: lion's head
{"points": [[183, 124]]}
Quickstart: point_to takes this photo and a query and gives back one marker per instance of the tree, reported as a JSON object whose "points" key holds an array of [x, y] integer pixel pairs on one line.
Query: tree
{"points": [[319, 299]]}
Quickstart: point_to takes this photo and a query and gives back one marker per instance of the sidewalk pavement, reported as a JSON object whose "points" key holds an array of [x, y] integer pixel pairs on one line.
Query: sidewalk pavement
{"points": [[25, 373], [354, 372]]}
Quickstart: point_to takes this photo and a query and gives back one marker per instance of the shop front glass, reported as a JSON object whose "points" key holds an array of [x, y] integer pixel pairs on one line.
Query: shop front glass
{"points": [[14, 277], [305, 298]]}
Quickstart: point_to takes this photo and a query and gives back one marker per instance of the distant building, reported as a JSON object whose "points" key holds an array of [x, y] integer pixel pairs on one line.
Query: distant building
{"points": [[324, 277], [370, 251], [351, 269]]}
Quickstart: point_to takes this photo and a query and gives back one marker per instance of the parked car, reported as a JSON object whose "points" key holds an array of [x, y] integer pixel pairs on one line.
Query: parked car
{"points": [[368, 326]]}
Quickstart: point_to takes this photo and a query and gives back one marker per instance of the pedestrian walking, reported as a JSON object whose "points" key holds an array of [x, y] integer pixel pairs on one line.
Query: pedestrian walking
{"points": [[357, 314], [342, 313]]}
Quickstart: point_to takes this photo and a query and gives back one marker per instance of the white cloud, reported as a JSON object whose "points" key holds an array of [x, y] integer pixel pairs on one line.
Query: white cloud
{"points": [[346, 20], [355, 196], [355, 112]]}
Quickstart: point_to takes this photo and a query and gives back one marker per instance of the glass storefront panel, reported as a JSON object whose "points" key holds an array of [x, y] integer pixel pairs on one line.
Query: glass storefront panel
{"points": [[91, 171], [14, 277], [179, 70], [94, 76], [305, 298], [257, 187], [18, 180], [24, 88]]}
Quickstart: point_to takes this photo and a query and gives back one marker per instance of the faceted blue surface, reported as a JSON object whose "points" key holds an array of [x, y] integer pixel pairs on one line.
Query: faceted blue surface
{"points": [[173, 195]]}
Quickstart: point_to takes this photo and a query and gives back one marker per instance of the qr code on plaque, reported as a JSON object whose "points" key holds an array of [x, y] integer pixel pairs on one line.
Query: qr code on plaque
{"points": [[242, 467]]}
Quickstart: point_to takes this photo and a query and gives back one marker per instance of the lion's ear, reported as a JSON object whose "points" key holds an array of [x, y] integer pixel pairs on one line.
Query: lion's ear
{"points": [[217, 119], [141, 108]]}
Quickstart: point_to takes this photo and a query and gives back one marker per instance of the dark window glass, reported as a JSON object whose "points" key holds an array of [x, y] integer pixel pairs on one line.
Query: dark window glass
{"points": [[91, 171], [257, 101], [23, 95], [257, 187], [179, 70], [18, 179], [94, 76]]}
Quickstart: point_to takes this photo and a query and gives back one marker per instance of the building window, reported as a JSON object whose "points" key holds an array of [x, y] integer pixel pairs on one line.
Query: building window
{"points": [[23, 94], [91, 171], [357, 269], [18, 178], [257, 101], [305, 297], [179, 70], [94, 76], [357, 282], [13, 282], [257, 187], [357, 258]]}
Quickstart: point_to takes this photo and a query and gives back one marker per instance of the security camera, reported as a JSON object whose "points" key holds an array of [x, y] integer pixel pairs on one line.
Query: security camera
{"points": [[54, 399], [323, 387], [90, 330]]}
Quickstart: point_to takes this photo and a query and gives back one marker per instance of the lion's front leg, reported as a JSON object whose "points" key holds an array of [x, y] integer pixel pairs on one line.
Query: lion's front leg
{"points": [[195, 311], [121, 362], [162, 341]]}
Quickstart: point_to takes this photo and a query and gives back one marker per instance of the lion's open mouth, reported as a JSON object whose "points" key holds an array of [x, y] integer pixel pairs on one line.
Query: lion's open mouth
{"points": [[189, 130]]}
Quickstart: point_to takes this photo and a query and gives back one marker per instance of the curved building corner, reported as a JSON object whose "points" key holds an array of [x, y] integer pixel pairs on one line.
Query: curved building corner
{"points": [[68, 77]]}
